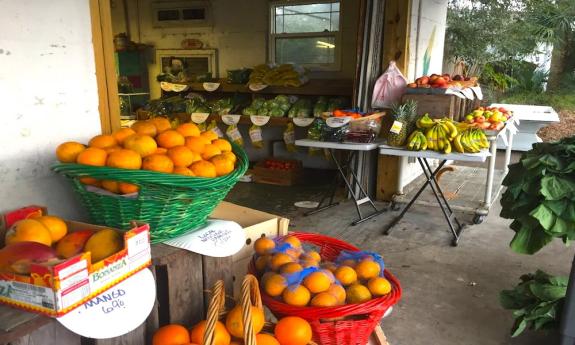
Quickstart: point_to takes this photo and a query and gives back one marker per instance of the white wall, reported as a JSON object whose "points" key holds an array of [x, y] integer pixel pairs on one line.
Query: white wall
{"points": [[49, 95]]}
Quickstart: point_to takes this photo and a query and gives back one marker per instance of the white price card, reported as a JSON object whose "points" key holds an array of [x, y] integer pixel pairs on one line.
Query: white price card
{"points": [[257, 87], [336, 122], [115, 312], [231, 119], [199, 117], [218, 238], [259, 120], [211, 86], [303, 121], [396, 127]]}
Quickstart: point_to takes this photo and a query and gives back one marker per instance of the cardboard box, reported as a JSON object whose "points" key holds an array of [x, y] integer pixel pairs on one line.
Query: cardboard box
{"points": [[291, 177], [58, 289], [256, 224]]}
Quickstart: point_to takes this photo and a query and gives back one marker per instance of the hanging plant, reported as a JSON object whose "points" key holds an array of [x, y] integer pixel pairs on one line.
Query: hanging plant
{"points": [[540, 196]]}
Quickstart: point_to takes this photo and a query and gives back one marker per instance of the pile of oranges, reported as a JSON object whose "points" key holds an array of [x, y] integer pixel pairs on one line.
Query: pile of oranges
{"points": [[152, 145], [329, 283], [289, 330]]}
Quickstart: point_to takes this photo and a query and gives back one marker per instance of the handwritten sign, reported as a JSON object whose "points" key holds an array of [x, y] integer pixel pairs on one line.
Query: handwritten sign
{"points": [[303, 121], [259, 120], [218, 238], [117, 311], [211, 86], [231, 119], [199, 117], [336, 122]]}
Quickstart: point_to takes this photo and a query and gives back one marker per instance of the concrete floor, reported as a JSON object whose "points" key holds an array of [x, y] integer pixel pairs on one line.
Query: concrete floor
{"points": [[450, 294]]}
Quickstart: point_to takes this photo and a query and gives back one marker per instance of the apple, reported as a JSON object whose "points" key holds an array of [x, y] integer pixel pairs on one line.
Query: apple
{"points": [[467, 79], [447, 77], [469, 118], [457, 77], [433, 78], [412, 85], [440, 81], [478, 112], [503, 110], [479, 119]]}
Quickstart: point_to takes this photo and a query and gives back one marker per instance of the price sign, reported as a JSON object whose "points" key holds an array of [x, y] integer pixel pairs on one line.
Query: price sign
{"points": [[219, 238], [199, 117], [257, 87], [231, 119], [211, 86], [336, 122], [115, 312], [303, 121], [259, 120]]}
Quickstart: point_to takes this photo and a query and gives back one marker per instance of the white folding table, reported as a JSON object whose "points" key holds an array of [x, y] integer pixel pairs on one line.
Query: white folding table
{"points": [[354, 186], [422, 157]]}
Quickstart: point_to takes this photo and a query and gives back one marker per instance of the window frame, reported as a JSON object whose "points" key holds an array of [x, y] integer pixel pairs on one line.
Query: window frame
{"points": [[337, 35]]}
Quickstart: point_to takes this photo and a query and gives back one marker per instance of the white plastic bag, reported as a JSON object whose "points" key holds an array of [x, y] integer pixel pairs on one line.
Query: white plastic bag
{"points": [[388, 88]]}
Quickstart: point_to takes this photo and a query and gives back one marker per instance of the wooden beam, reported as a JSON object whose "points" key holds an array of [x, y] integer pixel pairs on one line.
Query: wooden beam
{"points": [[102, 40], [395, 48]]}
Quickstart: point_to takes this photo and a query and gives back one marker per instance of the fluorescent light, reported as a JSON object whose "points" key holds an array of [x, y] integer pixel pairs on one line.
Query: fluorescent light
{"points": [[322, 44]]}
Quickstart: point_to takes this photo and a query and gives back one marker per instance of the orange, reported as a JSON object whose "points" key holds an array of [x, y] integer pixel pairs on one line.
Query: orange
{"points": [[290, 267], [188, 130], [159, 163], [266, 339], [349, 262], [293, 241], [367, 269], [231, 156], [162, 124], [313, 254], [379, 286], [279, 259], [324, 299], [161, 151], [357, 293], [329, 273], [181, 156], [145, 128], [111, 186], [317, 282], [121, 134], [296, 295], [29, 230], [223, 145], [183, 171], [329, 266], [127, 188], [55, 225], [124, 159], [210, 135], [170, 138], [144, 145], [171, 335], [203, 169], [293, 330], [233, 342], [308, 262], [68, 151], [264, 245], [262, 262], [346, 275], [275, 285], [223, 165], [102, 141], [92, 156], [293, 252], [221, 335], [265, 277], [210, 151], [90, 181], [338, 291], [196, 144], [235, 324], [112, 149]]}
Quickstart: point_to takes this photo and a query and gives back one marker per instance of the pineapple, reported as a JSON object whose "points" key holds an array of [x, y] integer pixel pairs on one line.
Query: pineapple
{"points": [[406, 115]]}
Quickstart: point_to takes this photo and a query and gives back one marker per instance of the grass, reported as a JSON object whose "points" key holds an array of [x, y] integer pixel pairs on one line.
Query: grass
{"points": [[563, 100]]}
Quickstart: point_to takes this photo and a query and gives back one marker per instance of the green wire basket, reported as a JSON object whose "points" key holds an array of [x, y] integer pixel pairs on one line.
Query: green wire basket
{"points": [[171, 204]]}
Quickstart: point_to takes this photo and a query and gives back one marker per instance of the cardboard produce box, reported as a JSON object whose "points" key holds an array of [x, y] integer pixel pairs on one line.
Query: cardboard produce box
{"points": [[278, 175], [54, 290]]}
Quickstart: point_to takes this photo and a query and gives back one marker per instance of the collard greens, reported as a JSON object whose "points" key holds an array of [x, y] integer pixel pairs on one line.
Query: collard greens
{"points": [[540, 196]]}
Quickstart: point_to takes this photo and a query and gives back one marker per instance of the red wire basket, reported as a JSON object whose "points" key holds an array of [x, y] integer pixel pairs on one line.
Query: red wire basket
{"points": [[350, 324]]}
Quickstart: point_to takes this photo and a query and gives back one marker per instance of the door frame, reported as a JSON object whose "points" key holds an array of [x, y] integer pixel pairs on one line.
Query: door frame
{"points": [[103, 42]]}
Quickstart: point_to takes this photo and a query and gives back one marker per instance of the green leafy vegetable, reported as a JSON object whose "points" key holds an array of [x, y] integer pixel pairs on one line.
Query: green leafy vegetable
{"points": [[540, 196], [536, 302]]}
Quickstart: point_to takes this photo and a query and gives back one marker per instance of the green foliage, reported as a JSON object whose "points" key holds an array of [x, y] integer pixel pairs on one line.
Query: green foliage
{"points": [[536, 301], [562, 100]]}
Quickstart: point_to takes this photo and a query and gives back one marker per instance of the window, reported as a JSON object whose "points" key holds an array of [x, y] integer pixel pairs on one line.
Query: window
{"points": [[181, 13], [306, 33]]}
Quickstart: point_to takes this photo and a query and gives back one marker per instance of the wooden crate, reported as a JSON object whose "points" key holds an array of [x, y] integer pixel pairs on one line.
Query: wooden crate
{"points": [[439, 106], [261, 174]]}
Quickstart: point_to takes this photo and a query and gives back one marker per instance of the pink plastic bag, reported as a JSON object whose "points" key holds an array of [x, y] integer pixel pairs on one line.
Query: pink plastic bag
{"points": [[389, 87]]}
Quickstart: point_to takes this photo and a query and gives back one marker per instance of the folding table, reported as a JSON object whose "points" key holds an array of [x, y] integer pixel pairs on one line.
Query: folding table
{"points": [[357, 151], [422, 157]]}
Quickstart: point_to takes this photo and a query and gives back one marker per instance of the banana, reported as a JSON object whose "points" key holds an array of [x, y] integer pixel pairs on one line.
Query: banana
{"points": [[429, 138], [473, 144], [447, 148], [452, 129], [423, 142], [417, 145], [483, 139], [440, 137], [457, 143], [410, 140], [425, 122]]}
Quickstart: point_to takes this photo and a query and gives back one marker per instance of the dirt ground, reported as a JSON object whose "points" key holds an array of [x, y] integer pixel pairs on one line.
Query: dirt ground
{"points": [[565, 128]]}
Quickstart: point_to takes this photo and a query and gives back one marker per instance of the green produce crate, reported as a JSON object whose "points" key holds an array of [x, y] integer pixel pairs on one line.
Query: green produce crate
{"points": [[171, 204]]}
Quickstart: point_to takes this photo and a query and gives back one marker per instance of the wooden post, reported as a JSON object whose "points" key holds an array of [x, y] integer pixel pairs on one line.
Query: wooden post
{"points": [[395, 48]]}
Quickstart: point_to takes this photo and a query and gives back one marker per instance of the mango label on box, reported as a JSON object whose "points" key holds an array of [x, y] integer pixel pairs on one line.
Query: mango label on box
{"points": [[396, 127]]}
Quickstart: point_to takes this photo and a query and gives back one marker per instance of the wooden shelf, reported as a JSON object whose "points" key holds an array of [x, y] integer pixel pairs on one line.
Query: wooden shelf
{"points": [[315, 87]]}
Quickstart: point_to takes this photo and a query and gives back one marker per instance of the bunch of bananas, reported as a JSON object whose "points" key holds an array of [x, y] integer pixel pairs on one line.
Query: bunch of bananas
{"points": [[438, 135], [471, 140], [417, 141]]}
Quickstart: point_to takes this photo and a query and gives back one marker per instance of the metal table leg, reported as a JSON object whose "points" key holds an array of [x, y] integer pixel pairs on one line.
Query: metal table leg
{"points": [[508, 151], [454, 225], [490, 172]]}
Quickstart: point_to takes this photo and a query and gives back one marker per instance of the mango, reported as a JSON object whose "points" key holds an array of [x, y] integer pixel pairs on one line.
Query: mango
{"points": [[73, 243], [17, 257], [29, 230], [103, 244]]}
